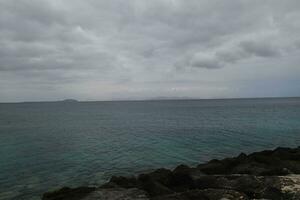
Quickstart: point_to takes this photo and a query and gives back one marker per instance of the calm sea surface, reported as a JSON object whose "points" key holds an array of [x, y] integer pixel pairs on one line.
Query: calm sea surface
{"points": [[44, 146]]}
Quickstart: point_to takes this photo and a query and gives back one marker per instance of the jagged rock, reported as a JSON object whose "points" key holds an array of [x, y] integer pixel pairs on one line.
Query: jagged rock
{"points": [[281, 161], [117, 194], [160, 175], [66, 193], [260, 175], [207, 194], [153, 185], [120, 181], [182, 178]]}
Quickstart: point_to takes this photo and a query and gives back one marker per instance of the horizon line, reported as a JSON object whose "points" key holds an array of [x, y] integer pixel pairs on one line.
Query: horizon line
{"points": [[150, 99]]}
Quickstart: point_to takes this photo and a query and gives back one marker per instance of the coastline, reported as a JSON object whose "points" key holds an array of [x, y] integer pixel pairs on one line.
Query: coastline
{"points": [[270, 174]]}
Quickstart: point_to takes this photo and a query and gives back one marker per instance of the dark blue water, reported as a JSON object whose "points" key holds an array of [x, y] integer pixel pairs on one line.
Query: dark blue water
{"points": [[44, 146]]}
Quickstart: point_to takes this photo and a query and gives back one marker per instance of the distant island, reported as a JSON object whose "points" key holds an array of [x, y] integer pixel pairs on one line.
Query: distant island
{"points": [[70, 100]]}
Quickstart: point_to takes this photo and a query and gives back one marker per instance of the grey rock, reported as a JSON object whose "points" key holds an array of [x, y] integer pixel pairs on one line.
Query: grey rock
{"points": [[117, 194]]}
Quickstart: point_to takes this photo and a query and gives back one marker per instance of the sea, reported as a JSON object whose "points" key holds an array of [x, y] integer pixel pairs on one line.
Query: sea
{"points": [[48, 145]]}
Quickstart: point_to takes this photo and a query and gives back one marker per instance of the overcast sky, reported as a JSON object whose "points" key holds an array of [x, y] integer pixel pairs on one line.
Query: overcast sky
{"points": [[140, 49]]}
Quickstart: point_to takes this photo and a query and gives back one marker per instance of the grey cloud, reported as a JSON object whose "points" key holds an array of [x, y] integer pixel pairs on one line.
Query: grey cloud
{"points": [[261, 49], [19, 56], [231, 54], [86, 42], [205, 61]]}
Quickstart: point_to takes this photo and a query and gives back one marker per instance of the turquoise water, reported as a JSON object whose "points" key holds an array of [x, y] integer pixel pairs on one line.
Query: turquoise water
{"points": [[44, 146]]}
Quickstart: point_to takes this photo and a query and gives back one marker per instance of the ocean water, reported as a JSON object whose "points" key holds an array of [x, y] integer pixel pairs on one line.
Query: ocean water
{"points": [[44, 146]]}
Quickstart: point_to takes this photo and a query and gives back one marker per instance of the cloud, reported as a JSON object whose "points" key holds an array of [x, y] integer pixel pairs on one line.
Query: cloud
{"points": [[205, 61], [106, 42], [260, 49], [234, 51], [229, 54]]}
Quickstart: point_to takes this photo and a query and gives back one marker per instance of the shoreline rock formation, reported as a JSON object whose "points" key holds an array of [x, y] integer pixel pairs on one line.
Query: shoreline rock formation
{"points": [[270, 174]]}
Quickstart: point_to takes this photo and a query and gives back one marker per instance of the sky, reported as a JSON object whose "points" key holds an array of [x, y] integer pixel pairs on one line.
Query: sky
{"points": [[141, 49]]}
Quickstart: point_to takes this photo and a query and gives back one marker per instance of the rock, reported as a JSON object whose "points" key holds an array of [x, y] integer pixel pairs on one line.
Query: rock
{"points": [[260, 175], [207, 194], [160, 175], [207, 181], [189, 195], [66, 193], [255, 187], [182, 178], [121, 181], [290, 186], [117, 194], [153, 185], [281, 161], [224, 166]]}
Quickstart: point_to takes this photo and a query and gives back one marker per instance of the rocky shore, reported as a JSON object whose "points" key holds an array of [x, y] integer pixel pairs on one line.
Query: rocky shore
{"points": [[270, 174]]}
